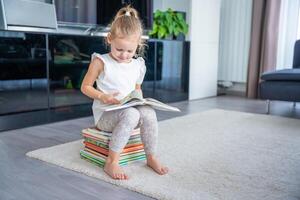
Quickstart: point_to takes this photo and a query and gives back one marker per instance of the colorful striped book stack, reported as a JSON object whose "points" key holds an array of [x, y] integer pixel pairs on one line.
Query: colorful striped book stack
{"points": [[96, 147]]}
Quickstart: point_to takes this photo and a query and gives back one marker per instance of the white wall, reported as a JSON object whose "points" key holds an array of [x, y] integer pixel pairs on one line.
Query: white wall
{"points": [[203, 17], [204, 37]]}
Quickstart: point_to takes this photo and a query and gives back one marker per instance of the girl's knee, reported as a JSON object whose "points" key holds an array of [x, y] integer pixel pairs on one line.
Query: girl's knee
{"points": [[147, 112], [130, 115]]}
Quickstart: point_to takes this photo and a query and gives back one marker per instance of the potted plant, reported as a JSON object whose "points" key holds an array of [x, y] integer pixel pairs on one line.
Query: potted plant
{"points": [[168, 24]]}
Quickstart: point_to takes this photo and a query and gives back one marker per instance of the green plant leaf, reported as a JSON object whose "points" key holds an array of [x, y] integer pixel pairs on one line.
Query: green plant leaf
{"points": [[179, 16], [168, 23], [170, 10], [185, 29], [171, 29], [155, 27], [157, 13], [162, 32], [169, 19]]}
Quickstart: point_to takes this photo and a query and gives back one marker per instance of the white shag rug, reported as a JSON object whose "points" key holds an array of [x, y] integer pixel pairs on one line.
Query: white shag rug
{"points": [[215, 154]]}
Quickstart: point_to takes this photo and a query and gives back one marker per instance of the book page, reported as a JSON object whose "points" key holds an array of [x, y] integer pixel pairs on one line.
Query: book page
{"points": [[160, 105], [135, 98], [133, 102], [135, 94]]}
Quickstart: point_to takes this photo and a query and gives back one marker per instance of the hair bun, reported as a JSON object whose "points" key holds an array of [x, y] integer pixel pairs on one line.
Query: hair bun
{"points": [[127, 13]]}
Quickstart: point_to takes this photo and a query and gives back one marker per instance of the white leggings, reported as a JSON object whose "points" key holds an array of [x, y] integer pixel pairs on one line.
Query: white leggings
{"points": [[122, 122]]}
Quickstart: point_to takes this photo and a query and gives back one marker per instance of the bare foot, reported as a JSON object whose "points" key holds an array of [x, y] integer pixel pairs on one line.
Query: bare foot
{"points": [[115, 171], [156, 166]]}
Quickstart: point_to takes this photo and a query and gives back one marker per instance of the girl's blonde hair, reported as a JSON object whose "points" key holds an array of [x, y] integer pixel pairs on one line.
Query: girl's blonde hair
{"points": [[127, 22]]}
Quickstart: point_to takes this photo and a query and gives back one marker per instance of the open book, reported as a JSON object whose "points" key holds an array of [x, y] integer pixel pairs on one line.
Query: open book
{"points": [[135, 98]]}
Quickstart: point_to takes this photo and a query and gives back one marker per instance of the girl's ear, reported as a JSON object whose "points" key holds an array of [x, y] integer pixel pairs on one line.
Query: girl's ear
{"points": [[108, 38]]}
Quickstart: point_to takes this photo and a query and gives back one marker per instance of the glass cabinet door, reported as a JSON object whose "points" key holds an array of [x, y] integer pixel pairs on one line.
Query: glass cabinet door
{"points": [[149, 79], [68, 66], [169, 69], [172, 71], [23, 77]]}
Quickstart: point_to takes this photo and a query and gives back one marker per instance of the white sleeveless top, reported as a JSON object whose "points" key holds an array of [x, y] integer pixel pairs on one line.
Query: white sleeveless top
{"points": [[117, 77]]}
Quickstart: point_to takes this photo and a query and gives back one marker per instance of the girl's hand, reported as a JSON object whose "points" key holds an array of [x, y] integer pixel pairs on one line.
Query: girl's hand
{"points": [[109, 98]]}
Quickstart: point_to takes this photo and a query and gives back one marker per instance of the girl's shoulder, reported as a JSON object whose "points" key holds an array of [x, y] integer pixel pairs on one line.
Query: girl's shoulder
{"points": [[102, 57], [141, 64], [140, 60]]}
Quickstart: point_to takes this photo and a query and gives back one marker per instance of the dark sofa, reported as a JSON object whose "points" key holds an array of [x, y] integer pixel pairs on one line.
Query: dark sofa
{"points": [[282, 85]]}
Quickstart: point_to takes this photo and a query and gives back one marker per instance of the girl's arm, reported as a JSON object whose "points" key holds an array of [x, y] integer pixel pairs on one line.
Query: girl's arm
{"points": [[95, 68], [138, 87]]}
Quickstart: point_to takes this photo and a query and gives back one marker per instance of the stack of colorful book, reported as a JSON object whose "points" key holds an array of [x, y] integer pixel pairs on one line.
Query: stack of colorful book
{"points": [[96, 147]]}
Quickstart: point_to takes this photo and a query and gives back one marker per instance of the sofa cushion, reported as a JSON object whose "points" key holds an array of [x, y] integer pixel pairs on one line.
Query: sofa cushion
{"points": [[280, 90], [282, 75]]}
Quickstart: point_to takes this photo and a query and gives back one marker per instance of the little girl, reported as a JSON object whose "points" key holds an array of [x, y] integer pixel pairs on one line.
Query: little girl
{"points": [[117, 74]]}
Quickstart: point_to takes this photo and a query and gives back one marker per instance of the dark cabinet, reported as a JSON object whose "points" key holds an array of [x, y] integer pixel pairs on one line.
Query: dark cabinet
{"points": [[167, 70], [23, 77], [35, 79], [68, 66]]}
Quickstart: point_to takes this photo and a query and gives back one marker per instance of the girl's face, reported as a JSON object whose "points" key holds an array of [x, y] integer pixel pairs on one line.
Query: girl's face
{"points": [[123, 48]]}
